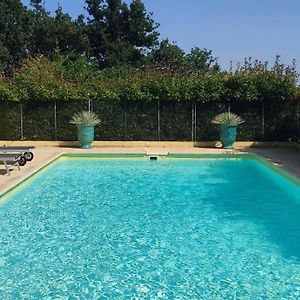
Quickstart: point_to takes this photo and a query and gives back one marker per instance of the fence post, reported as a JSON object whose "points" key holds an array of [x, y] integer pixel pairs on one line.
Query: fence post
{"points": [[55, 122], [89, 105], [21, 122], [125, 120], [298, 127], [193, 121], [263, 121], [158, 119]]}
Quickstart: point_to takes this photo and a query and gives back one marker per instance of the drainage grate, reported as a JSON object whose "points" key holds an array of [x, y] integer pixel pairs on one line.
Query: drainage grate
{"points": [[153, 157]]}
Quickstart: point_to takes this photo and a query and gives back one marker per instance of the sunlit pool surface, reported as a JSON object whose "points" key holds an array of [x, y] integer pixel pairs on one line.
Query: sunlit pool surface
{"points": [[135, 229]]}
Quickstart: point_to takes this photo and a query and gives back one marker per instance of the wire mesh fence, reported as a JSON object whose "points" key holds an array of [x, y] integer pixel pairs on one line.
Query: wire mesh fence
{"points": [[165, 121]]}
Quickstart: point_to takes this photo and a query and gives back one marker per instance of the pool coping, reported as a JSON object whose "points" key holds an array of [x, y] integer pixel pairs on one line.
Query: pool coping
{"points": [[27, 177], [228, 155]]}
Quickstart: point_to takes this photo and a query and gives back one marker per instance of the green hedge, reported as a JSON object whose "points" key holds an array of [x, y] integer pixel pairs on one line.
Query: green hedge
{"points": [[43, 80], [147, 103], [112, 120], [10, 121], [176, 121], [38, 121]]}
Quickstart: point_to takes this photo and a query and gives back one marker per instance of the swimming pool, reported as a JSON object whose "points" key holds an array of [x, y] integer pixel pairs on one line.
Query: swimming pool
{"points": [[130, 228]]}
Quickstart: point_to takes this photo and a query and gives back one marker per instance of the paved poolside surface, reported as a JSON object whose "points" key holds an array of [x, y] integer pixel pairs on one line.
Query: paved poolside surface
{"points": [[286, 158]]}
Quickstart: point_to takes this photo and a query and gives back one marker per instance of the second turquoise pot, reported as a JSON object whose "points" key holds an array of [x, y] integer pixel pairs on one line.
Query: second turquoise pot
{"points": [[228, 135], [85, 136]]}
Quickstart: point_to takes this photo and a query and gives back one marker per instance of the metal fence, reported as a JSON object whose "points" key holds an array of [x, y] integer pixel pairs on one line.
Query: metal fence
{"points": [[181, 121]]}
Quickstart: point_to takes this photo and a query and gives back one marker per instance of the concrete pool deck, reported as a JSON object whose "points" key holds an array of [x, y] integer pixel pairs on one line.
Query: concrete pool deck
{"points": [[286, 158]]}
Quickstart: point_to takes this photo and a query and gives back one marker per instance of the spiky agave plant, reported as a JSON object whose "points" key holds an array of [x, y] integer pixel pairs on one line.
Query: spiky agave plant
{"points": [[227, 118], [85, 118]]}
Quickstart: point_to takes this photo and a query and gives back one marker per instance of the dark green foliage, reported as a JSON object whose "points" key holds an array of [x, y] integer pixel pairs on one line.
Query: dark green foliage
{"points": [[119, 34], [167, 55], [35, 114], [170, 56], [112, 120], [141, 27], [42, 29], [176, 121], [112, 34], [201, 60], [51, 33], [10, 121], [69, 37], [205, 112], [66, 79], [141, 121], [13, 35]]}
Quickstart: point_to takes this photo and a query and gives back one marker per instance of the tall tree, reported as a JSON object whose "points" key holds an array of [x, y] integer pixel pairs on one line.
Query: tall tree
{"points": [[141, 27], [49, 34], [95, 30], [141, 30], [68, 34], [167, 55], [13, 34], [201, 60], [42, 29], [119, 33]]}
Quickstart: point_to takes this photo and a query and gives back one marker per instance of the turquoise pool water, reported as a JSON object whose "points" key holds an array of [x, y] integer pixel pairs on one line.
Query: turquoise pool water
{"points": [[135, 229]]}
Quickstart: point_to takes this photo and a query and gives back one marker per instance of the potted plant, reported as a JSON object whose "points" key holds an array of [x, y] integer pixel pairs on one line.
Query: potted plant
{"points": [[85, 122], [228, 128]]}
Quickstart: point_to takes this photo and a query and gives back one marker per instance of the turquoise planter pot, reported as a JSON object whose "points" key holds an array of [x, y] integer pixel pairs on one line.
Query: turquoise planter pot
{"points": [[85, 136], [228, 135]]}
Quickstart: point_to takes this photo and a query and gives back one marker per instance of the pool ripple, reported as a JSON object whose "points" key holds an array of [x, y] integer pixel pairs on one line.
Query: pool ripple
{"points": [[130, 229]]}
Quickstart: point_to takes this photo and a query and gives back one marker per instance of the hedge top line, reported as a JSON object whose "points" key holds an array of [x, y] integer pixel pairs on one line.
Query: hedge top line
{"points": [[40, 79]]}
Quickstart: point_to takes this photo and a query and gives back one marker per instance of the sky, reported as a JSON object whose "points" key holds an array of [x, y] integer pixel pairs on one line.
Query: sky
{"points": [[232, 29]]}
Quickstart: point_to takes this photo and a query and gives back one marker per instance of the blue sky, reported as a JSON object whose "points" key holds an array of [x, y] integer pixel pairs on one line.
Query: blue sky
{"points": [[233, 29]]}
